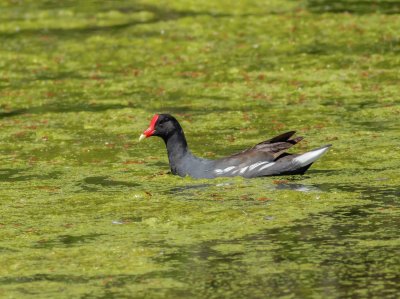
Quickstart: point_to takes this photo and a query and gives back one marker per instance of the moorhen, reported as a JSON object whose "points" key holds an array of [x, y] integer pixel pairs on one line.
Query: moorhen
{"points": [[264, 159]]}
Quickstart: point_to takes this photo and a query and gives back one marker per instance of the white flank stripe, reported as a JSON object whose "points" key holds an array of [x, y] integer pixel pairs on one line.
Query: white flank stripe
{"points": [[243, 170], [252, 166], [218, 171], [266, 166], [228, 169]]}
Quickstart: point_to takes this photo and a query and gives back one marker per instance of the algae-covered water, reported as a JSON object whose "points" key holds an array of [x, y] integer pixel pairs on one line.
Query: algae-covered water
{"points": [[88, 212]]}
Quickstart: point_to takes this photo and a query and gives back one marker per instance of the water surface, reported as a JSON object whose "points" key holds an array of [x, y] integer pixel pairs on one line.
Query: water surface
{"points": [[87, 212]]}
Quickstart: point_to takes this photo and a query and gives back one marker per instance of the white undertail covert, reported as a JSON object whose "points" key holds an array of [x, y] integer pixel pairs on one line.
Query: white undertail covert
{"points": [[310, 157]]}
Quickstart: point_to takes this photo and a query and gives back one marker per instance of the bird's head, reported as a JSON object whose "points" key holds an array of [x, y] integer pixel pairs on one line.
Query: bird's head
{"points": [[161, 125]]}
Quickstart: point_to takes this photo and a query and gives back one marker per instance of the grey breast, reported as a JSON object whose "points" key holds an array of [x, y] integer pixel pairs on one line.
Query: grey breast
{"points": [[195, 167]]}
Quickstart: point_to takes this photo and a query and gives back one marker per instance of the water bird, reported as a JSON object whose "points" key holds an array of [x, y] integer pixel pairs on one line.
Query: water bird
{"points": [[267, 158]]}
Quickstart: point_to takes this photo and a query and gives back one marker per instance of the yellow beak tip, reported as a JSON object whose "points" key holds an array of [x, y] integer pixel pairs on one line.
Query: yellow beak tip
{"points": [[142, 136]]}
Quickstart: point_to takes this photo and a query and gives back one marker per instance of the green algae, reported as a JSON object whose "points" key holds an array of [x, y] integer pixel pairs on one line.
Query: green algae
{"points": [[86, 211]]}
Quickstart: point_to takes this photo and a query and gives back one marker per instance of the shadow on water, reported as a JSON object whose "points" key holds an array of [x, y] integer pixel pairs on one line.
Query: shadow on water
{"points": [[115, 280], [158, 14], [7, 250], [43, 277], [14, 175], [354, 6], [199, 111], [67, 241], [271, 261], [188, 188], [375, 126], [109, 286], [391, 45], [324, 244], [385, 194], [90, 183], [332, 246], [64, 108], [106, 182]]}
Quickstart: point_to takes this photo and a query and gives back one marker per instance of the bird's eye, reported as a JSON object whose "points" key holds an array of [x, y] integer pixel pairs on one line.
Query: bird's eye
{"points": [[163, 121]]}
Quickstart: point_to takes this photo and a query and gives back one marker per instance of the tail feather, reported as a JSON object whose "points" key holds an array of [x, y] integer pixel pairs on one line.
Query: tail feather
{"points": [[311, 156]]}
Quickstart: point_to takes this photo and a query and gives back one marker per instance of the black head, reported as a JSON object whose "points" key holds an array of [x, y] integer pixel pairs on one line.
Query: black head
{"points": [[162, 125]]}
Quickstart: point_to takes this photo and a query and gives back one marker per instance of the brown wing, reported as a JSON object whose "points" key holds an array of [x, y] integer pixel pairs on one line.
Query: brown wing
{"points": [[280, 138], [275, 146], [266, 151]]}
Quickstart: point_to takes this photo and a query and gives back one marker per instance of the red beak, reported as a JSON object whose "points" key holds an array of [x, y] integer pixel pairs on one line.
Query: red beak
{"points": [[150, 130]]}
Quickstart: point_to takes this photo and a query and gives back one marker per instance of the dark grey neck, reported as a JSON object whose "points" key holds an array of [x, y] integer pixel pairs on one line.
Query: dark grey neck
{"points": [[177, 149]]}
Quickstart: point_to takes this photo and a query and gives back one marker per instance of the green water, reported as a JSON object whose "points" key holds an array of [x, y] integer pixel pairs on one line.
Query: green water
{"points": [[87, 212]]}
